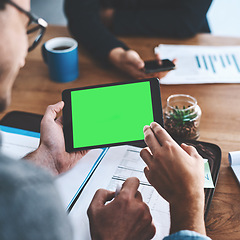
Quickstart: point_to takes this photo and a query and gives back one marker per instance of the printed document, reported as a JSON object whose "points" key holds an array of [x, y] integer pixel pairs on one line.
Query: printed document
{"points": [[201, 64], [118, 164], [100, 168]]}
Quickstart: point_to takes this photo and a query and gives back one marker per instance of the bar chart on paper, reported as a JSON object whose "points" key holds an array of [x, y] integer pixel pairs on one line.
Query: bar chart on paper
{"points": [[202, 64], [218, 63]]}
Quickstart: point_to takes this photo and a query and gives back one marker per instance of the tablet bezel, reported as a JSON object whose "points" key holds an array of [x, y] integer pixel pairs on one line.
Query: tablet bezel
{"points": [[67, 113]]}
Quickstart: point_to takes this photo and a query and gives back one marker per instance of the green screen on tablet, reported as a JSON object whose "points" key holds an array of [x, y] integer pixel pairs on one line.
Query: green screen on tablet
{"points": [[111, 114]]}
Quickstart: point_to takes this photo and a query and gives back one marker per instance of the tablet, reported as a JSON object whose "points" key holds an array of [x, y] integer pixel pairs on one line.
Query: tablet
{"points": [[111, 114]]}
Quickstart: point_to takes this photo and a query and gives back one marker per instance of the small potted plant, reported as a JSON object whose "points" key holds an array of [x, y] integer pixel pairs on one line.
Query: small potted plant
{"points": [[182, 117]]}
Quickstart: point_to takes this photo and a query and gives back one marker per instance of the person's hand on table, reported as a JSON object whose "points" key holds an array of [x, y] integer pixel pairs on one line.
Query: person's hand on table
{"points": [[126, 217], [177, 173], [51, 152], [131, 63]]}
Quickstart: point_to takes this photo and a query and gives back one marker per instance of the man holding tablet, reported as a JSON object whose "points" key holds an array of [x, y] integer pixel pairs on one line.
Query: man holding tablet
{"points": [[30, 206]]}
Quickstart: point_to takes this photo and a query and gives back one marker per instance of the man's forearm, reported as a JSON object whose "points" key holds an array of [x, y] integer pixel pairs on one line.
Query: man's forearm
{"points": [[43, 159], [188, 216]]}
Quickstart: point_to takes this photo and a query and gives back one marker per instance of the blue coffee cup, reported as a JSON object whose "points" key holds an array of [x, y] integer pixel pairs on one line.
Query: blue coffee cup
{"points": [[61, 56]]}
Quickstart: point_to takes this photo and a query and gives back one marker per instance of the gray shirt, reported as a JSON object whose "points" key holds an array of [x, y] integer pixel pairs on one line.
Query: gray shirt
{"points": [[30, 207]]}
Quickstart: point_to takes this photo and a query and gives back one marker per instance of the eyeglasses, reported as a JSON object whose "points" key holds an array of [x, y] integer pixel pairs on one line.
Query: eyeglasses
{"points": [[35, 29]]}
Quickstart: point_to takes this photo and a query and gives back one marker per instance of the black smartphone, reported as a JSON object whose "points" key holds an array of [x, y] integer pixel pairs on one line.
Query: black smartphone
{"points": [[153, 66]]}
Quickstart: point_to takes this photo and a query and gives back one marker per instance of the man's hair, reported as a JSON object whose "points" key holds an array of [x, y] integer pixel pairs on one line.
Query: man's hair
{"points": [[2, 4]]}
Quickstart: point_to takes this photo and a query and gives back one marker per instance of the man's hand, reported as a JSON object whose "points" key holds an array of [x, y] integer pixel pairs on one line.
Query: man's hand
{"points": [[51, 152], [163, 73], [127, 217], [177, 173], [130, 62]]}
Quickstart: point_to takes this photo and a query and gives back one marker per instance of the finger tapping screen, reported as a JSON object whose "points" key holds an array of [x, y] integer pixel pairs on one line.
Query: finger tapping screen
{"points": [[111, 114]]}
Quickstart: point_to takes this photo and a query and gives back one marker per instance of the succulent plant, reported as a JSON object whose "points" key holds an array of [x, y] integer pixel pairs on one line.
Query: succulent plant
{"points": [[181, 116], [180, 123]]}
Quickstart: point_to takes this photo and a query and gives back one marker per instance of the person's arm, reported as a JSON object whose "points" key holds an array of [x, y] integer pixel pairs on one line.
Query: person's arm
{"points": [[51, 153], [182, 19], [177, 173], [125, 217], [86, 26]]}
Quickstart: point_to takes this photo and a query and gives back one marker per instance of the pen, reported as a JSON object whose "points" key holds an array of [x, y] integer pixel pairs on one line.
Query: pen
{"points": [[118, 189]]}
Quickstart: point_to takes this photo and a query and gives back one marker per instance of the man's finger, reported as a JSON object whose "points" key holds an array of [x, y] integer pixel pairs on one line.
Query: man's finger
{"points": [[134, 59], [147, 173], [138, 196], [150, 139], [59, 120], [158, 58], [160, 133], [174, 61], [102, 196], [146, 156], [130, 187], [190, 150], [53, 110]]}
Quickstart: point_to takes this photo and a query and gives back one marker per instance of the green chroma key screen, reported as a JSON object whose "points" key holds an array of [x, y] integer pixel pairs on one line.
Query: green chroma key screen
{"points": [[111, 114]]}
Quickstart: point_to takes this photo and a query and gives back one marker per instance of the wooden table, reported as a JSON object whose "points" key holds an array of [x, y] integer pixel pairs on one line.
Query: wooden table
{"points": [[220, 103]]}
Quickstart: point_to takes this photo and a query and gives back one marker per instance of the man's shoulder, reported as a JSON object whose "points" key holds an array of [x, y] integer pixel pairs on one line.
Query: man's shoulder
{"points": [[31, 207]]}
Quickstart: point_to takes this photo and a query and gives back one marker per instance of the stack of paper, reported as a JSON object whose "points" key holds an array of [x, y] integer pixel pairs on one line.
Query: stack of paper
{"points": [[234, 160], [201, 64]]}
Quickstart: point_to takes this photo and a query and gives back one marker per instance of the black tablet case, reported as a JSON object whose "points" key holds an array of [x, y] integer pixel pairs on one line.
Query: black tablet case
{"points": [[31, 122]]}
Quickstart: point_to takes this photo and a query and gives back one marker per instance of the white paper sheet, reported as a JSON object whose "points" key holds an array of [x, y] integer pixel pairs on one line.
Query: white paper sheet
{"points": [[15, 144], [70, 182], [118, 164], [201, 64], [234, 160], [207, 175]]}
